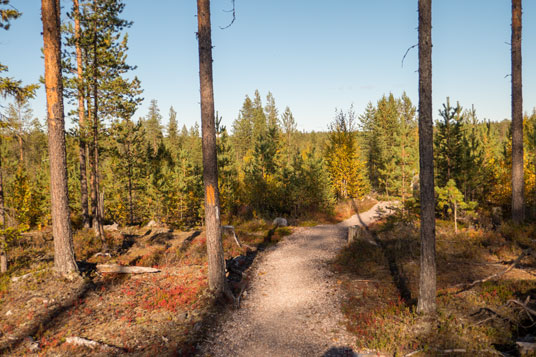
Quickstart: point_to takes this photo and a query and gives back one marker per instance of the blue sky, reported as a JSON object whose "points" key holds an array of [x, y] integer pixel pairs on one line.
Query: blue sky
{"points": [[314, 55]]}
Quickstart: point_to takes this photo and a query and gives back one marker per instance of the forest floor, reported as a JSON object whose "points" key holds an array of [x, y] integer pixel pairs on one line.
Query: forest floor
{"points": [[308, 292], [293, 304], [164, 313]]}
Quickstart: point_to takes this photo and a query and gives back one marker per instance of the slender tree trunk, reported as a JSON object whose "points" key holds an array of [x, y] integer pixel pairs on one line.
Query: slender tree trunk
{"points": [[91, 155], [455, 217], [427, 282], [21, 148], [129, 167], [97, 219], [3, 242], [81, 118], [216, 271], [64, 260], [518, 184]]}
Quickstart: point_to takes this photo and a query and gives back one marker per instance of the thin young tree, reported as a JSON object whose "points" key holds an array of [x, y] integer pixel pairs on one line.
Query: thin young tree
{"points": [[64, 261], [216, 271], [81, 115], [518, 185], [427, 283]]}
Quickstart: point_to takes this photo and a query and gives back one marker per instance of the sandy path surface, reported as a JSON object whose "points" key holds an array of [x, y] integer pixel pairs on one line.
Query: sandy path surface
{"points": [[292, 307]]}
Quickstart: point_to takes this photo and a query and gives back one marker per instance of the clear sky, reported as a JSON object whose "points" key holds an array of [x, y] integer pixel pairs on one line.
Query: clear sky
{"points": [[313, 55]]}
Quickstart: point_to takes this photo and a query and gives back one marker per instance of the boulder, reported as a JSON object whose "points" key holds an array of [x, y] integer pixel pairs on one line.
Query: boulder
{"points": [[280, 222]]}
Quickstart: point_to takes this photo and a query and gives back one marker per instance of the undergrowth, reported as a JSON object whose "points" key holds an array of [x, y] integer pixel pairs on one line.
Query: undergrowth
{"points": [[381, 284]]}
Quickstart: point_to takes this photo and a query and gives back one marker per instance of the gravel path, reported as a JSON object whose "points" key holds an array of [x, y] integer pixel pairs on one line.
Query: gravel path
{"points": [[292, 306]]}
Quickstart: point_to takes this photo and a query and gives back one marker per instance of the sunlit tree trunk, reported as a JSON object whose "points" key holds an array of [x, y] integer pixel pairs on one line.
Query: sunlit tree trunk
{"points": [[64, 260], [216, 271], [427, 282], [518, 185]]}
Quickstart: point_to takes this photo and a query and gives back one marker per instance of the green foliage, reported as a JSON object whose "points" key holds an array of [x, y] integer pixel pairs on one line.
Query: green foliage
{"points": [[389, 136], [448, 150], [343, 161]]}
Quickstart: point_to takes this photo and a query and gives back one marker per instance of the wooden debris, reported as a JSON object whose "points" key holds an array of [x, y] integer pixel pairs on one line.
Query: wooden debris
{"points": [[496, 275], [79, 341], [114, 268], [356, 233], [231, 231]]}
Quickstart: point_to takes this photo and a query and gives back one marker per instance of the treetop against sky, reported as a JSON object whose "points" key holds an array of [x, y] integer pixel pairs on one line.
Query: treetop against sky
{"points": [[314, 56]]}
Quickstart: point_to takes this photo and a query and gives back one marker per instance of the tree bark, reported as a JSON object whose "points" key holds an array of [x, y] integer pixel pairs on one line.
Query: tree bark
{"points": [[3, 250], [518, 184], [427, 283], [81, 118], [64, 261], [216, 270]]}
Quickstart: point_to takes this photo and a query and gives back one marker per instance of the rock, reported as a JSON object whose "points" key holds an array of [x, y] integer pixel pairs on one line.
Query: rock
{"points": [[111, 227], [280, 222], [32, 345], [526, 348], [152, 224]]}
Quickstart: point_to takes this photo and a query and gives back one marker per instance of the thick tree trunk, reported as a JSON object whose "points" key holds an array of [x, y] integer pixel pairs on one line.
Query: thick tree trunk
{"points": [[427, 282], [3, 250], [518, 185], [81, 118], [64, 260], [216, 271]]}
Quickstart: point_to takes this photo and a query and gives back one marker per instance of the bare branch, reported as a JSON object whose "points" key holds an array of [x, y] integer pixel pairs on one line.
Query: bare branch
{"points": [[233, 10], [407, 51], [496, 275]]}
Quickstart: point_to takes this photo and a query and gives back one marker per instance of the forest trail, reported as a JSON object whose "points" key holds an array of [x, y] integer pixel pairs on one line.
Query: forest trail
{"points": [[293, 303]]}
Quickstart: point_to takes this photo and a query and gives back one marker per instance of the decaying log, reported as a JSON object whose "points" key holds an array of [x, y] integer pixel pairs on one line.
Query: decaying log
{"points": [[79, 341], [496, 275], [114, 268]]}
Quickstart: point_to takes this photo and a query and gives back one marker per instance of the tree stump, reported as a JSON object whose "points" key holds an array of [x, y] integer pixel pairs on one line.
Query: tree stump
{"points": [[356, 233]]}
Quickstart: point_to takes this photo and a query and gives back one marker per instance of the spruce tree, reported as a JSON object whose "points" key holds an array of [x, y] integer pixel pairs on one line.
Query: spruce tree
{"points": [[448, 140]]}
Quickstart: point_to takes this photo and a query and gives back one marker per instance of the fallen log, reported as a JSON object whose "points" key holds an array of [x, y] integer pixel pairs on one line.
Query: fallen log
{"points": [[496, 275], [114, 268], [79, 341]]}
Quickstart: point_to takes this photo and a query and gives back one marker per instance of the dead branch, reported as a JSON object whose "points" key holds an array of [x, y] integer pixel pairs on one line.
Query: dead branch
{"points": [[523, 305], [233, 10], [491, 312], [496, 275], [79, 341], [114, 268], [231, 231], [405, 54]]}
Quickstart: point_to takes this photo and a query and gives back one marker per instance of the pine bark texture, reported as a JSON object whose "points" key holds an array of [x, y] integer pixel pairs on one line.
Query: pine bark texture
{"points": [[427, 283], [64, 260], [81, 119], [216, 271], [518, 185]]}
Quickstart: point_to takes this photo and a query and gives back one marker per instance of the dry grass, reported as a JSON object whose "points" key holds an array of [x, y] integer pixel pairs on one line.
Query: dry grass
{"points": [[148, 314], [381, 283]]}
